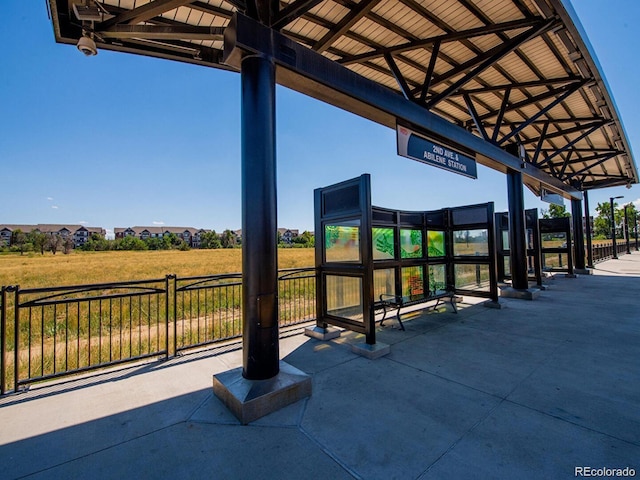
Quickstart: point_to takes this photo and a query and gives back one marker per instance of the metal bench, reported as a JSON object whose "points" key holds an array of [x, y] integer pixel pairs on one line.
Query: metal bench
{"points": [[390, 302]]}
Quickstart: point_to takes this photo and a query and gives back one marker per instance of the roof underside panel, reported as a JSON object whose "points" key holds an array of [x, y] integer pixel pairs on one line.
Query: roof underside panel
{"points": [[509, 71]]}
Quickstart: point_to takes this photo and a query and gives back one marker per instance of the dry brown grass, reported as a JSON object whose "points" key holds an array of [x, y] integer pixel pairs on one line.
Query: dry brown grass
{"points": [[35, 270]]}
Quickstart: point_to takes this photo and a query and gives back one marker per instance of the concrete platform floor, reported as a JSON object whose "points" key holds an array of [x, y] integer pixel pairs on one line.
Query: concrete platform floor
{"points": [[532, 390]]}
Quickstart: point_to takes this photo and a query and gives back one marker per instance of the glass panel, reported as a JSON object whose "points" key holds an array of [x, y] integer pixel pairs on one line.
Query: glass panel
{"points": [[342, 242], [435, 243], [384, 282], [383, 244], [410, 243], [471, 242], [437, 279], [507, 266], [412, 283], [554, 240], [555, 260], [344, 297], [505, 239], [472, 277]]}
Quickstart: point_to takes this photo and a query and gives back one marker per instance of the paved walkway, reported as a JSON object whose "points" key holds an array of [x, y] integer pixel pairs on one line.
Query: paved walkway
{"points": [[529, 391]]}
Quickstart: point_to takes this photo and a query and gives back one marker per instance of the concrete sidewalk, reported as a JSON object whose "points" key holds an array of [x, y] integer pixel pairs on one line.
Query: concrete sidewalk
{"points": [[529, 391]]}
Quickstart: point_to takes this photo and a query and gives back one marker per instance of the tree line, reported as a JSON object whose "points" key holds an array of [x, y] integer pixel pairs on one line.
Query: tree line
{"points": [[41, 242], [602, 222]]}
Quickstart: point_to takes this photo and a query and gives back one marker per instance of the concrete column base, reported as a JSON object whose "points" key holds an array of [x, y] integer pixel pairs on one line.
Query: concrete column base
{"points": [[320, 333], [372, 352], [249, 400], [524, 294], [583, 271], [492, 304]]}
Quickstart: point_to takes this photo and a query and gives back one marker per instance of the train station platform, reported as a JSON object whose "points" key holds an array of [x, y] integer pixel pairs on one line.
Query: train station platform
{"points": [[533, 390]]}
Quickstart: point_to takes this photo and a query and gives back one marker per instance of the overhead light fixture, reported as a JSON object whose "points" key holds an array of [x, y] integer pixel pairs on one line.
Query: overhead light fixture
{"points": [[88, 13]]}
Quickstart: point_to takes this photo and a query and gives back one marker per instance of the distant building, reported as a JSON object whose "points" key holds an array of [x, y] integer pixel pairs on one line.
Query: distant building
{"points": [[191, 236], [287, 235], [79, 233]]}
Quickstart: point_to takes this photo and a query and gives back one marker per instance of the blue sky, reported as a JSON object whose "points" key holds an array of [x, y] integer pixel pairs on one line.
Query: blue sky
{"points": [[120, 140]]}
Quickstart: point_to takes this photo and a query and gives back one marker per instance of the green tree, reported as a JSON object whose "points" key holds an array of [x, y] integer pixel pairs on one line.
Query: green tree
{"points": [[602, 222], [19, 239], [228, 239], [67, 245], [97, 243], [210, 240], [130, 243], [309, 239], [38, 240], [54, 243], [632, 217], [555, 211]]}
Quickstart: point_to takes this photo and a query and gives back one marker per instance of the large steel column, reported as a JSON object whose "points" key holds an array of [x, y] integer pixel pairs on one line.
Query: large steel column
{"points": [[578, 234], [587, 217], [259, 220], [517, 231]]}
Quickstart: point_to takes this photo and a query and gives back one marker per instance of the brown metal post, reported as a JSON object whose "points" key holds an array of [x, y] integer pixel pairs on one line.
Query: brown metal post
{"points": [[578, 234], [517, 231], [259, 220]]}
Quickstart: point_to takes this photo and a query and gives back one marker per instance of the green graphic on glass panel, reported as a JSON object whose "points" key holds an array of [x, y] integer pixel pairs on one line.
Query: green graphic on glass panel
{"points": [[410, 243], [470, 242], [412, 282], [437, 279], [342, 243], [383, 248], [435, 243]]}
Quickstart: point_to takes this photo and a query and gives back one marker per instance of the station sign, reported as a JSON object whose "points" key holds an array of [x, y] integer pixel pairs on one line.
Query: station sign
{"points": [[549, 197], [417, 147]]}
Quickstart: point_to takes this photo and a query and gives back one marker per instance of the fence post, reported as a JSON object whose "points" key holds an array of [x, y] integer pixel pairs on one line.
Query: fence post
{"points": [[16, 336], [175, 315], [3, 332], [166, 313]]}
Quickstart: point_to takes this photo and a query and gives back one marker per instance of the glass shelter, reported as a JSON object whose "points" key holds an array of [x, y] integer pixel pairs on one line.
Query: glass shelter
{"points": [[534, 254], [364, 253], [556, 242]]}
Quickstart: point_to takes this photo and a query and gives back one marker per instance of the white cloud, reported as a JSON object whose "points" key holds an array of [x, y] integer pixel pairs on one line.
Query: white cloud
{"points": [[49, 198], [157, 223], [637, 203], [54, 206], [83, 222]]}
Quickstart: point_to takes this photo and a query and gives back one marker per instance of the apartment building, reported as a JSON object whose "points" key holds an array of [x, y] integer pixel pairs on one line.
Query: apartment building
{"points": [[79, 233], [191, 236]]}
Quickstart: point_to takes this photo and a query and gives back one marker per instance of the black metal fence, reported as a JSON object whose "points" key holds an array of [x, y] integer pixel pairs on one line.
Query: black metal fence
{"points": [[604, 251], [50, 332]]}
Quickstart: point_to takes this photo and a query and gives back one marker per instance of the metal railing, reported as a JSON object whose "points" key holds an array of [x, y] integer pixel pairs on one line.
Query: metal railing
{"points": [[604, 251], [46, 333]]}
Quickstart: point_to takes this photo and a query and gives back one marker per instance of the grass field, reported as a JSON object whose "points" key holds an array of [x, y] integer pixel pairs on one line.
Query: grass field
{"points": [[35, 270]]}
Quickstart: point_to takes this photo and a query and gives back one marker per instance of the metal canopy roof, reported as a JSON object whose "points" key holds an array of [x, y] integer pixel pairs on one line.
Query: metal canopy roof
{"points": [[510, 71]]}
